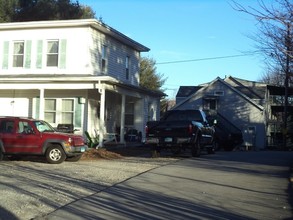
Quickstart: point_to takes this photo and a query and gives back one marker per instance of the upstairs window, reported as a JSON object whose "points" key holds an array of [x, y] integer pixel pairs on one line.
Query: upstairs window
{"points": [[52, 53], [18, 54], [104, 58], [127, 67]]}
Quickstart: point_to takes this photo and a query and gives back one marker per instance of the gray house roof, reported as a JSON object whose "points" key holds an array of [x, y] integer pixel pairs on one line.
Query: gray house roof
{"points": [[242, 90], [185, 91]]}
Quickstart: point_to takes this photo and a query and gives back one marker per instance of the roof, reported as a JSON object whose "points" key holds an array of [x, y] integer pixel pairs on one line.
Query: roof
{"points": [[37, 81], [218, 79], [93, 23], [252, 89], [185, 91]]}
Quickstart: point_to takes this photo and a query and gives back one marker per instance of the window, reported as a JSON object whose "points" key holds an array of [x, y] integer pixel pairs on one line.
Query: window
{"points": [[67, 111], [127, 67], [104, 58], [18, 54], [24, 127], [209, 104], [6, 126], [52, 53], [59, 111], [129, 114], [50, 110]]}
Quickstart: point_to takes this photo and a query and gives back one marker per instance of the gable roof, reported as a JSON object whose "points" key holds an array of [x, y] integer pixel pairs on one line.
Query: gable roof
{"points": [[93, 23], [218, 79], [185, 91], [253, 90]]}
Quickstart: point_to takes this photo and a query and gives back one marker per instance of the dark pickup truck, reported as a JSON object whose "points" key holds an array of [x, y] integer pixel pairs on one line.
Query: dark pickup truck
{"points": [[181, 129]]}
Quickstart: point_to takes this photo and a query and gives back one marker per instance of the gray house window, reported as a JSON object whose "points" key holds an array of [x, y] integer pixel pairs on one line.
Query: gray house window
{"points": [[18, 54], [52, 52]]}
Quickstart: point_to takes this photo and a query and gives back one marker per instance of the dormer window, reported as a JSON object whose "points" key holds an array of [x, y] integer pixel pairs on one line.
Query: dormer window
{"points": [[52, 53], [18, 54], [104, 58]]}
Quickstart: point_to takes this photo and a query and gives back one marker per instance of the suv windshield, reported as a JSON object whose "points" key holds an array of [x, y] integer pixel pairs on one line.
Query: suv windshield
{"points": [[43, 126]]}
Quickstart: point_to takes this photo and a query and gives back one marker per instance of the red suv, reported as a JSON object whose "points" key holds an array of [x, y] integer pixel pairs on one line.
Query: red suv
{"points": [[24, 136]]}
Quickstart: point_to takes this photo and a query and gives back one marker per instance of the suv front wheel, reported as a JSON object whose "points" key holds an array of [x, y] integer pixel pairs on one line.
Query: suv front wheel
{"points": [[55, 154]]}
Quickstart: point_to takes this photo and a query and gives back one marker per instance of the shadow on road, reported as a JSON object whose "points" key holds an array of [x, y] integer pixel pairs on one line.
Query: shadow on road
{"points": [[135, 204]]}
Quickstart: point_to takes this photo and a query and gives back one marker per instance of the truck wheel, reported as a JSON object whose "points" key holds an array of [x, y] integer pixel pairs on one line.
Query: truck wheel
{"points": [[195, 149], [155, 151], [55, 154], [74, 158]]}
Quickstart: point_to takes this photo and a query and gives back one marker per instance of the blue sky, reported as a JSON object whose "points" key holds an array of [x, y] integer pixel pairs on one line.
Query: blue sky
{"points": [[188, 30]]}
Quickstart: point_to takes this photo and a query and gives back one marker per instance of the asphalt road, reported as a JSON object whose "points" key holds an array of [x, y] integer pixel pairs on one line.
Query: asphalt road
{"points": [[227, 185]]}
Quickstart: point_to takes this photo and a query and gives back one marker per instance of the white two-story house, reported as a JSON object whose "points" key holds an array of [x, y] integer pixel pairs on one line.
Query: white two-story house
{"points": [[79, 72]]}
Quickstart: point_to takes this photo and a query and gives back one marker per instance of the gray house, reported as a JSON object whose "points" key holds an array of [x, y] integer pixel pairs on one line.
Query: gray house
{"points": [[247, 106]]}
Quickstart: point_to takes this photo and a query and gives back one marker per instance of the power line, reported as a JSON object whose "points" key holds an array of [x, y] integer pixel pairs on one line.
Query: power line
{"points": [[208, 58]]}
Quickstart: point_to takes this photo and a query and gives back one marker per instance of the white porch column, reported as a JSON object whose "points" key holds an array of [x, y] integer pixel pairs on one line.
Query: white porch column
{"points": [[122, 122], [102, 117], [42, 104]]}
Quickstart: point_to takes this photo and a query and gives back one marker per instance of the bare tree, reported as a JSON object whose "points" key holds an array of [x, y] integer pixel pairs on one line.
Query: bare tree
{"points": [[274, 39], [275, 42]]}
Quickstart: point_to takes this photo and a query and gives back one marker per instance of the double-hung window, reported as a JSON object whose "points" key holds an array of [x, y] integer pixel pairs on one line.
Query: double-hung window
{"points": [[50, 110], [129, 114], [67, 111], [52, 53], [59, 110], [18, 54]]}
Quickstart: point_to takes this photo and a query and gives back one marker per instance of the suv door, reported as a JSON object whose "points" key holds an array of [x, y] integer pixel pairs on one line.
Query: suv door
{"points": [[7, 134], [28, 140]]}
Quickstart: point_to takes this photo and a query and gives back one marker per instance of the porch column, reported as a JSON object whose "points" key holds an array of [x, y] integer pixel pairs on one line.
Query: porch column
{"points": [[122, 122], [42, 105], [102, 117]]}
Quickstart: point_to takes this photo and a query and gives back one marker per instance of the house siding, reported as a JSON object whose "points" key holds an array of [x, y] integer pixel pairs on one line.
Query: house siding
{"points": [[78, 74], [116, 57], [234, 107]]}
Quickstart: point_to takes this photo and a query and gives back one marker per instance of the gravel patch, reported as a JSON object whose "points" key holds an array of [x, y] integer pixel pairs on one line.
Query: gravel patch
{"points": [[31, 189]]}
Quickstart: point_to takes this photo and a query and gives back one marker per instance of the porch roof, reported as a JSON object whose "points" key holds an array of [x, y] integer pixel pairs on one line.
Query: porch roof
{"points": [[67, 81]]}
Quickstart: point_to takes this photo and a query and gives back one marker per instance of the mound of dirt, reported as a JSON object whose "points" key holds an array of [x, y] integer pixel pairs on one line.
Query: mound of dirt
{"points": [[115, 152], [93, 154]]}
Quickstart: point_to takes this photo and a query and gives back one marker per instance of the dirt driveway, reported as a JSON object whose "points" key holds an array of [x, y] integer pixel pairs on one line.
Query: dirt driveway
{"points": [[32, 188]]}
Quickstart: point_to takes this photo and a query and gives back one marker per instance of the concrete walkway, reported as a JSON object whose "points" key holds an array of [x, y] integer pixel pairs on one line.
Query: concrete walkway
{"points": [[227, 185]]}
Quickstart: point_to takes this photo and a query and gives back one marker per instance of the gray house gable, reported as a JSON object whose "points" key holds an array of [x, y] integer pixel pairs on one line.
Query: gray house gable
{"points": [[237, 91]]}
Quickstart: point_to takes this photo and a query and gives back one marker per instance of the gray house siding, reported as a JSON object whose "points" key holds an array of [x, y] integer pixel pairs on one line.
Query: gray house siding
{"points": [[238, 109]]}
